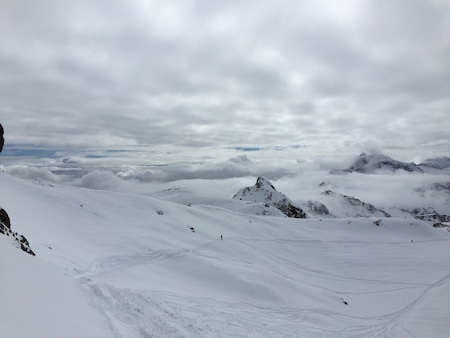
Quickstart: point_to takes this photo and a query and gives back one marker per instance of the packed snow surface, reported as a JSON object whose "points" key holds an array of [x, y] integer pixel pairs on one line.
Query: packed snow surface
{"points": [[121, 265]]}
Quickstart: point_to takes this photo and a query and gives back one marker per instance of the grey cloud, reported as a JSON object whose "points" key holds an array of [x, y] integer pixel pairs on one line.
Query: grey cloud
{"points": [[201, 73]]}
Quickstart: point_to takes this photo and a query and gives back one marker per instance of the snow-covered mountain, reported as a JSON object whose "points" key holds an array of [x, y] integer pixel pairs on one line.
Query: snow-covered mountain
{"points": [[124, 265], [263, 192], [371, 163], [437, 163], [349, 206], [259, 204]]}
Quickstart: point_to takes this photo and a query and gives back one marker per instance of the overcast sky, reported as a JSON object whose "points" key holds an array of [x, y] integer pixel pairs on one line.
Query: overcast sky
{"points": [[310, 74]]}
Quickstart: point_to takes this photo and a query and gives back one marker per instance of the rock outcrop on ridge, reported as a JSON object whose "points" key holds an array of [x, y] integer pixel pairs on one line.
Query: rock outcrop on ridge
{"points": [[264, 192]]}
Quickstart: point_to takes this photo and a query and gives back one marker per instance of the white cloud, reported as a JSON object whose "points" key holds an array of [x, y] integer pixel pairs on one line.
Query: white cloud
{"points": [[301, 179], [99, 180], [33, 173]]}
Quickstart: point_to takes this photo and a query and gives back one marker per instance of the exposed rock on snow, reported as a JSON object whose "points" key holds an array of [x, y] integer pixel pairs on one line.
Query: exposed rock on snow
{"points": [[18, 240], [367, 164], [318, 209], [442, 226], [2, 140], [4, 218], [264, 192], [352, 206], [428, 215]]}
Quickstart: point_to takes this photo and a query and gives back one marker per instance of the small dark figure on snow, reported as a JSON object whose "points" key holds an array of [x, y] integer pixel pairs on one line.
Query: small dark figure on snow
{"points": [[221, 237]]}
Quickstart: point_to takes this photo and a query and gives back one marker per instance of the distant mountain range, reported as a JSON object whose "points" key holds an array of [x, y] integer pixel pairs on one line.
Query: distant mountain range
{"points": [[368, 164], [264, 199], [437, 163]]}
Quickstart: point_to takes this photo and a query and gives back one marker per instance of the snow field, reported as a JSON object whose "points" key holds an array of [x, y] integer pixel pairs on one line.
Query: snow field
{"points": [[130, 266]]}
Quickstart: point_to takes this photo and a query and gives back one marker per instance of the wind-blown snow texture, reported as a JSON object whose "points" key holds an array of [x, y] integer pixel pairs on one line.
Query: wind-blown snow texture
{"points": [[122, 265]]}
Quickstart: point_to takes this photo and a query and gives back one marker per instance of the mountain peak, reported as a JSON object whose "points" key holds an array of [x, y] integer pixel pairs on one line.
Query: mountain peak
{"points": [[264, 183], [264, 192]]}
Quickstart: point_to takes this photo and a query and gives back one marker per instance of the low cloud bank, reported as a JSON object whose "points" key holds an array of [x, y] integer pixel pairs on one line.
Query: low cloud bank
{"points": [[299, 179], [240, 166], [99, 180], [34, 173]]}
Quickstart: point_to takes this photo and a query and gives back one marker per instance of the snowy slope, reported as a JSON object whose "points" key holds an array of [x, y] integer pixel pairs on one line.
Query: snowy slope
{"points": [[349, 206], [187, 197], [133, 264], [39, 299]]}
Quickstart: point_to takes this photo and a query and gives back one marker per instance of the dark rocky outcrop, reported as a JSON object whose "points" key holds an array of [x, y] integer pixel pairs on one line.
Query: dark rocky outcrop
{"points": [[264, 192], [442, 226], [18, 240], [318, 209], [290, 210], [4, 219], [2, 140]]}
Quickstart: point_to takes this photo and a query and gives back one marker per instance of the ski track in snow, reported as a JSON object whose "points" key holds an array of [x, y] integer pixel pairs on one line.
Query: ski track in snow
{"points": [[121, 262], [393, 325], [165, 314], [156, 313]]}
